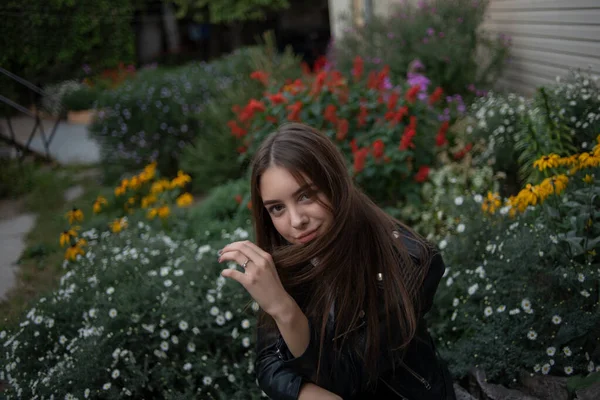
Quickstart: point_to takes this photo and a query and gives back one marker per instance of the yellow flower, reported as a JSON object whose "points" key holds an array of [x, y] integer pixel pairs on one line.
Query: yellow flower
{"points": [[181, 179], [100, 201], [554, 184], [135, 183], [185, 200], [147, 201], [516, 204], [65, 236], [73, 251], [125, 183], [596, 150], [491, 203], [75, 215], [164, 212], [560, 183], [148, 173], [120, 191], [568, 161], [152, 213], [550, 161], [118, 225], [587, 160], [588, 178], [160, 186], [529, 195], [131, 200]]}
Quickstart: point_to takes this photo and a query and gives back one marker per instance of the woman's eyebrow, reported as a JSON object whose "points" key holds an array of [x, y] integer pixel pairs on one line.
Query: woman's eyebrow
{"points": [[297, 192]]}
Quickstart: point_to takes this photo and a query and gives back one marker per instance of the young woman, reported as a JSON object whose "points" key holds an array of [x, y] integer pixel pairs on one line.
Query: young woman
{"points": [[342, 286]]}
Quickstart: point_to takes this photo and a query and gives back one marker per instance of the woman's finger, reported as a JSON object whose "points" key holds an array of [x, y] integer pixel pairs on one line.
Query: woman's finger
{"points": [[235, 256], [235, 275]]}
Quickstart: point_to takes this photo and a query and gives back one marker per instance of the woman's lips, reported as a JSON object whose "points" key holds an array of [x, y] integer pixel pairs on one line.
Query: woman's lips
{"points": [[307, 238]]}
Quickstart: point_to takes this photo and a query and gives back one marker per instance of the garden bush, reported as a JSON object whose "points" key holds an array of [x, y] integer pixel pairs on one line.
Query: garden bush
{"points": [[390, 136], [560, 118], [442, 39], [143, 315], [520, 293]]}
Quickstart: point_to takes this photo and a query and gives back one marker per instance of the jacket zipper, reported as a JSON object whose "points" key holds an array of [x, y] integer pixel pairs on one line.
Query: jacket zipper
{"points": [[417, 376], [394, 390]]}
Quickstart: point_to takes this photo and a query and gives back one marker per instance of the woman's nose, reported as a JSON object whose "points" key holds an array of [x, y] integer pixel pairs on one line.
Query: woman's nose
{"points": [[298, 218]]}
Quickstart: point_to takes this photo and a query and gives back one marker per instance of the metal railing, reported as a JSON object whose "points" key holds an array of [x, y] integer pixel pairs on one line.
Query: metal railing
{"points": [[10, 137]]}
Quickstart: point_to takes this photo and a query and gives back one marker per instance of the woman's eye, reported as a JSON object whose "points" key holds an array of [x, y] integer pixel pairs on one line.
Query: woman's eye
{"points": [[306, 196], [275, 209]]}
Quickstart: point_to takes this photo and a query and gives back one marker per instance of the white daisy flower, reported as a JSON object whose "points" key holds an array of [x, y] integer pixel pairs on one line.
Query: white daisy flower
{"points": [[551, 351], [110, 290], [86, 393], [164, 334], [210, 298], [501, 308], [246, 342], [231, 378], [478, 198], [460, 228], [567, 351], [526, 304], [187, 366], [536, 368], [207, 380], [115, 374], [472, 289], [228, 315], [531, 335], [568, 370], [255, 306], [556, 320], [458, 201], [183, 325], [164, 271], [62, 339], [191, 347], [488, 311], [168, 283], [585, 293], [545, 369], [214, 311], [164, 346], [220, 320], [443, 244], [175, 339], [245, 324], [590, 366], [106, 386], [235, 333], [112, 313], [455, 302], [581, 277], [449, 281]]}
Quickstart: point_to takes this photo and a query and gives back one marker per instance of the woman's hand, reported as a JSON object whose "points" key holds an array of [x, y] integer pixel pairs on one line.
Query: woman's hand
{"points": [[260, 278]]}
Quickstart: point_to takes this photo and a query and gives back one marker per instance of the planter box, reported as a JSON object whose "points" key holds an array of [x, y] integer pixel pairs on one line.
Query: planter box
{"points": [[84, 117]]}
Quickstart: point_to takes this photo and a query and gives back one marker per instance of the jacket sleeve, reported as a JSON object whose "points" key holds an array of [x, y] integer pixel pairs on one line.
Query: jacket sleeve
{"points": [[279, 374]]}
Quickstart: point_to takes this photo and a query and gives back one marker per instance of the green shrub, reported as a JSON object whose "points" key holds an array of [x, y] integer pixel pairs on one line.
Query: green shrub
{"points": [[390, 141], [520, 294], [16, 178], [142, 314], [211, 159], [227, 202], [83, 98], [444, 35], [559, 119]]}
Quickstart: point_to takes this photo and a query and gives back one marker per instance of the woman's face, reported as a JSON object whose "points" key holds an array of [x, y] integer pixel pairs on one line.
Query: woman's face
{"points": [[295, 213]]}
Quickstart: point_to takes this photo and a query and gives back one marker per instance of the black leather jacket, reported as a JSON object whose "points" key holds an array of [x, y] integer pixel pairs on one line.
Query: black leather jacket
{"points": [[420, 375]]}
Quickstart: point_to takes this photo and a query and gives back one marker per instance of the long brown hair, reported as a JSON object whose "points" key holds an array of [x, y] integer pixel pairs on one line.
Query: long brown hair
{"points": [[359, 245]]}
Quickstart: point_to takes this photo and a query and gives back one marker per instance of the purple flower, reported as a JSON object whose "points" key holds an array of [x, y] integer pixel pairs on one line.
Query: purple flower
{"points": [[376, 60], [417, 79], [421, 4], [387, 83], [461, 108], [460, 20], [87, 69], [441, 34], [390, 35], [430, 31]]}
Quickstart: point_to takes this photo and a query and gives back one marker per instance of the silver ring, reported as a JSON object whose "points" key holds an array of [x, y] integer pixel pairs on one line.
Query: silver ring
{"points": [[246, 263]]}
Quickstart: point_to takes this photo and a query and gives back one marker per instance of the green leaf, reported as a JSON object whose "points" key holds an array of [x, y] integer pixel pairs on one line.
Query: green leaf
{"points": [[579, 382]]}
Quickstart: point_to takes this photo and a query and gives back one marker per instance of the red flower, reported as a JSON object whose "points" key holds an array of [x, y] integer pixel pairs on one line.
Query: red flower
{"points": [[413, 122], [422, 174], [260, 76], [360, 156], [249, 205], [241, 149], [238, 198], [372, 80], [460, 154], [353, 146], [362, 116], [295, 109], [342, 129], [252, 107], [358, 68], [435, 96], [305, 68], [330, 113], [236, 130], [396, 117], [440, 139], [406, 140], [381, 77], [411, 94], [272, 119], [393, 101], [277, 98], [378, 148], [318, 83], [320, 63]]}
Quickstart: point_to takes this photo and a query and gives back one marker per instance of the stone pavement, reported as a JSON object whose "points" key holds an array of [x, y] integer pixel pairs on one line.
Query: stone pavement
{"points": [[71, 143], [14, 227]]}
